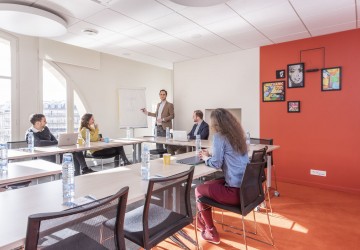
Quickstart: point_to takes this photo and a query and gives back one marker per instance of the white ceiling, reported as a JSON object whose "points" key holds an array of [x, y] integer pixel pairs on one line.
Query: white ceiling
{"points": [[160, 32]]}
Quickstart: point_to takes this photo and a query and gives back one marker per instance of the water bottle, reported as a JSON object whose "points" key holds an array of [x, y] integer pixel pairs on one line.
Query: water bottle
{"points": [[68, 181], [167, 133], [30, 141], [145, 164], [128, 133], [87, 137], [3, 158], [248, 138], [197, 145]]}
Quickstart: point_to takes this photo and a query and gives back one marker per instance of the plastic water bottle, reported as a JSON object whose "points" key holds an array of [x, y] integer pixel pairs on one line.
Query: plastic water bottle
{"points": [[145, 164], [248, 138], [68, 181], [167, 133], [3, 158], [30, 141], [197, 145], [87, 137], [128, 133]]}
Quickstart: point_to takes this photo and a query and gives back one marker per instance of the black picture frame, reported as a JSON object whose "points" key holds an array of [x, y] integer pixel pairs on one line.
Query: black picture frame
{"points": [[296, 75], [293, 106], [280, 74], [273, 91], [331, 79]]}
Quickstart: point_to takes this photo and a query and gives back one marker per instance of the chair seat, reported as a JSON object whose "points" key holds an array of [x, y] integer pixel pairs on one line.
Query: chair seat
{"points": [[159, 222], [78, 241], [235, 209]]}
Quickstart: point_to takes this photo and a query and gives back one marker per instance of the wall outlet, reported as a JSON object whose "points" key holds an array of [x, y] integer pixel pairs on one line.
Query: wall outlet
{"points": [[318, 172]]}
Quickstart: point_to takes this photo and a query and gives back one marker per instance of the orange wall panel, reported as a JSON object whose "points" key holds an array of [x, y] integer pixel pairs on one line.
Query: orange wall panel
{"points": [[326, 134]]}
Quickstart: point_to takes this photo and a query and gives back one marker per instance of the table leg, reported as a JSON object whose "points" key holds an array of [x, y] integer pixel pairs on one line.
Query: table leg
{"points": [[268, 176]]}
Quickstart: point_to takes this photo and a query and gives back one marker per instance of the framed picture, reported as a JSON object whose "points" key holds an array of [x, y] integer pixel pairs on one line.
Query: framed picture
{"points": [[273, 91], [293, 106], [331, 79], [280, 74], [296, 77]]}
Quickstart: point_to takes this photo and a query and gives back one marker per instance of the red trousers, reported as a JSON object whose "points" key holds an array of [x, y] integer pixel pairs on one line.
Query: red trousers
{"points": [[217, 191]]}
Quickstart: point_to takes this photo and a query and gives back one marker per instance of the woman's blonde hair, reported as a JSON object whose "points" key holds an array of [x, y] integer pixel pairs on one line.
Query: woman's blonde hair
{"points": [[223, 122]]}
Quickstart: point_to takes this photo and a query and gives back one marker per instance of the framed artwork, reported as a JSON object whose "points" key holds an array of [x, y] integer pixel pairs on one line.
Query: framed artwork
{"points": [[331, 79], [273, 91], [280, 74], [296, 77], [293, 106]]}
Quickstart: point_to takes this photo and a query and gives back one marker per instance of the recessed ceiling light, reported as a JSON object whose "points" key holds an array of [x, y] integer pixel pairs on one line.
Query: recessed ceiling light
{"points": [[90, 32], [31, 21], [199, 3]]}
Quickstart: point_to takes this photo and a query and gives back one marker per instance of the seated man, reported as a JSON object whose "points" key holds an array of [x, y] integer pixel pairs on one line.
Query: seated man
{"points": [[200, 128], [43, 137]]}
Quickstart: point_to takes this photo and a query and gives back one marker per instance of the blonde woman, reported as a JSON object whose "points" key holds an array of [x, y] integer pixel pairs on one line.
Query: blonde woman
{"points": [[88, 122]]}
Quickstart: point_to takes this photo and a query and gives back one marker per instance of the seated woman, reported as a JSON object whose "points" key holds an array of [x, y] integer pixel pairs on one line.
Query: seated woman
{"points": [[229, 153], [88, 122]]}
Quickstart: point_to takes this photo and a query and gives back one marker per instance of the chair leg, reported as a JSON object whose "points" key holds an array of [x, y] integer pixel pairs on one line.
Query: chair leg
{"points": [[255, 224], [244, 234], [276, 186], [271, 235]]}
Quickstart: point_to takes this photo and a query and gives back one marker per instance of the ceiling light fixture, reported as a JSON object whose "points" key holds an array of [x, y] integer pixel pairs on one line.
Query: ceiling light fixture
{"points": [[199, 3], [31, 21]]}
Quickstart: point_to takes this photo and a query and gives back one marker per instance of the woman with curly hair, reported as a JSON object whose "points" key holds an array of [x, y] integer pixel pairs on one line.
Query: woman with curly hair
{"points": [[229, 153]]}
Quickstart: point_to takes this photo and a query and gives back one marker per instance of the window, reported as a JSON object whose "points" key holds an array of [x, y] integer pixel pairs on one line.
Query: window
{"points": [[5, 90], [56, 102]]}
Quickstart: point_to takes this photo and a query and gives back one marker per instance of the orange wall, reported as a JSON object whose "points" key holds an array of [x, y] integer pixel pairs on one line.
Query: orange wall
{"points": [[326, 134]]}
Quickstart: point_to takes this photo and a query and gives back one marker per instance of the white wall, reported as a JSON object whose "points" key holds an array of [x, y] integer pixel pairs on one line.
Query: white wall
{"points": [[96, 87], [222, 81]]}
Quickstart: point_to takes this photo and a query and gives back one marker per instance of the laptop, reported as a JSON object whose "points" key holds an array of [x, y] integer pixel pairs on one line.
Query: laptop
{"points": [[179, 135], [193, 160], [67, 139]]}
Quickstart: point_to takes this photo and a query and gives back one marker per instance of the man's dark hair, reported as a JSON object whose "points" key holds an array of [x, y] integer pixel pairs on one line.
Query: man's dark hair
{"points": [[199, 114], [36, 118], [164, 91]]}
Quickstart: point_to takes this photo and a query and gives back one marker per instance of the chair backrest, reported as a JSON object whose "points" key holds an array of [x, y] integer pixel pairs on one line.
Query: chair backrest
{"points": [[264, 142], [84, 219], [259, 155], [251, 190], [16, 144], [156, 189]]}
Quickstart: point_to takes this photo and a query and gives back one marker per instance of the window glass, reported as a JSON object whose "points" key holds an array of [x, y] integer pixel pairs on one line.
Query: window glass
{"points": [[54, 100], [5, 58], [5, 110]]}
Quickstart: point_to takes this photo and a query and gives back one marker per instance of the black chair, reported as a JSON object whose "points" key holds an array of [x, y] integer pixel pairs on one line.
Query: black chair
{"points": [[17, 145], [153, 222], [260, 156], [268, 142], [78, 227], [251, 196]]}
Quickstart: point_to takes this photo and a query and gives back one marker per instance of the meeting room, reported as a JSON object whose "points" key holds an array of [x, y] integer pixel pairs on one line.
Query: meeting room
{"points": [[179, 124]]}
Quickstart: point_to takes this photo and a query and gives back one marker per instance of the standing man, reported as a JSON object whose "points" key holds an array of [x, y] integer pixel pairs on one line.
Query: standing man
{"points": [[43, 137], [200, 128], [164, 115]]}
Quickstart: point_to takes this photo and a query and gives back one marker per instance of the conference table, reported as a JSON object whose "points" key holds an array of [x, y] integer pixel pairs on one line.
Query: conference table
{"points": [[28, 170], [207, 144], [25, 153], [17, 205]]}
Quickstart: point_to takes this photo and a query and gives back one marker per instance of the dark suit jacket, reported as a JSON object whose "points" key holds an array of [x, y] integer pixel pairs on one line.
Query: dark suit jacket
{"points": [[203, 131], [167, 114]]}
